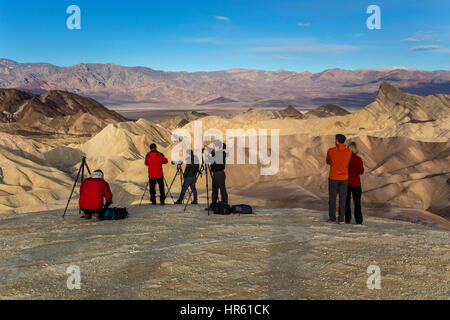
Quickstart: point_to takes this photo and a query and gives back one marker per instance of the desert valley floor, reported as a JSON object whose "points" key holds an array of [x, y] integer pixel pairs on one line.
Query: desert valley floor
{"points": [[168, 254]]}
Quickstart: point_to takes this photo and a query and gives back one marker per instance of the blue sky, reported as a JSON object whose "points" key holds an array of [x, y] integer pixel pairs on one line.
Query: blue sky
{"points": [[215, 35]]}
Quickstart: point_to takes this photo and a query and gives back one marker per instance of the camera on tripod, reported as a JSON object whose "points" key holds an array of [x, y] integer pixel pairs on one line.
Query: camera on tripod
{"points": [[208, 148]]}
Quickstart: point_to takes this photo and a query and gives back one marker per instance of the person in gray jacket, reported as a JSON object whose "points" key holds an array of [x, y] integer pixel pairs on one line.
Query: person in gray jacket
{"points": [[190, 177]]}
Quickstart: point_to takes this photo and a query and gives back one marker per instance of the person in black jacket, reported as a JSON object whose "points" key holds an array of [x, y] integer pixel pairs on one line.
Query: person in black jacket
{"points": [[190, 177], [217, 159]]}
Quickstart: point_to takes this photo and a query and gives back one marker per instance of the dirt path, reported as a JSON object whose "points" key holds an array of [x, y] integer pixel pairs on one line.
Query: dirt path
{"points": [[276, 254]]}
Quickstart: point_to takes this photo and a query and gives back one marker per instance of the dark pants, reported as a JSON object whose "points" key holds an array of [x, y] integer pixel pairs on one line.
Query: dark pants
{"points": [[189, 181], [89, 213], [356, 193], [152, 183], [218, 183], [336, 187]]}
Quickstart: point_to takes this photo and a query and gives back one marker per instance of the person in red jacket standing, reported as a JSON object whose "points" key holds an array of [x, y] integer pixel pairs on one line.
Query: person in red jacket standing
{"points": [[92, 192], [355, 169], [154, 161]]}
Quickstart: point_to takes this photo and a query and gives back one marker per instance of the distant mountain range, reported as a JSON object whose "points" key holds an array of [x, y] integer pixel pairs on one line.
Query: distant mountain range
{"points": [[114, 84]]}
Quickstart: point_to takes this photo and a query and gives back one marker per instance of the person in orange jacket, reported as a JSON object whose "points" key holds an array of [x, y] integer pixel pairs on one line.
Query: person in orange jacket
{"points": [[338, 158]]}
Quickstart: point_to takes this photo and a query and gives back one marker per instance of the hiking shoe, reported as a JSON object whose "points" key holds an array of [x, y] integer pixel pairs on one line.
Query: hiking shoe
{"points": [[340, 222], [330, 221], [178, 202], [194, 202], [359, 225], [96, 217]]}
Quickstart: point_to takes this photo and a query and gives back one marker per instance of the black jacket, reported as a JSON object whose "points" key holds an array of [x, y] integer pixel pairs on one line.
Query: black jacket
{"points": [[218, 165], [192, 167]]}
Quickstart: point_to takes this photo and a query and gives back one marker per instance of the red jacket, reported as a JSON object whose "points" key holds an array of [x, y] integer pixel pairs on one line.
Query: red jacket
{"points": [[154, 161], [338, 158], [92, 192], [355, 168]]}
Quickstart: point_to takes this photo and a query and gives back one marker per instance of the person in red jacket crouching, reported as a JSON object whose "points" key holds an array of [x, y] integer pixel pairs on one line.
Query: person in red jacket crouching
{"points": [[355, 169], [154, 161], [92, 192]]}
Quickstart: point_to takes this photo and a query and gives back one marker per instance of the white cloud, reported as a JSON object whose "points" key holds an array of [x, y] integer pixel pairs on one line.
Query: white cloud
{"points": [[279, 57], [412, 40], [222, 18], [308, 48], [301, 24], [420, 36]]}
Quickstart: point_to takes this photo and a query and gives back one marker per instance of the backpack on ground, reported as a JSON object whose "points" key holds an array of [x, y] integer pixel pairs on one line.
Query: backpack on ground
{"points": [[221, 208], [115, 214], [242, 209]]}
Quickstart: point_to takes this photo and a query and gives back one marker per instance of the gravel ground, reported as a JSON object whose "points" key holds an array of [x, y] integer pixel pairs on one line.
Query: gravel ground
{"points": [[163, 253]]}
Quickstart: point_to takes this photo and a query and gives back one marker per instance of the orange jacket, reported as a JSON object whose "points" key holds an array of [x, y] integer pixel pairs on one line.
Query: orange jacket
{"points": [[338, 158]]}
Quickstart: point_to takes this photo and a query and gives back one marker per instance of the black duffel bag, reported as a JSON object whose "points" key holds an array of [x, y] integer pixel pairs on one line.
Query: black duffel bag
{"points": [[221, 208], [115, 214]]}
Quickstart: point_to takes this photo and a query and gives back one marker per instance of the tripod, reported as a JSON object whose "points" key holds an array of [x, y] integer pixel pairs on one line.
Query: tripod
{"points": [[80, 170], [180, 173], [203, 168], [147, 185]]}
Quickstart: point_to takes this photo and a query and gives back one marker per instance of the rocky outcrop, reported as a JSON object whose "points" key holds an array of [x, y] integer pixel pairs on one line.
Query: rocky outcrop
{"points": [[325, 111], [180, 120], [400, 107], [54, 111], [261, 114], [218, 100]]}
